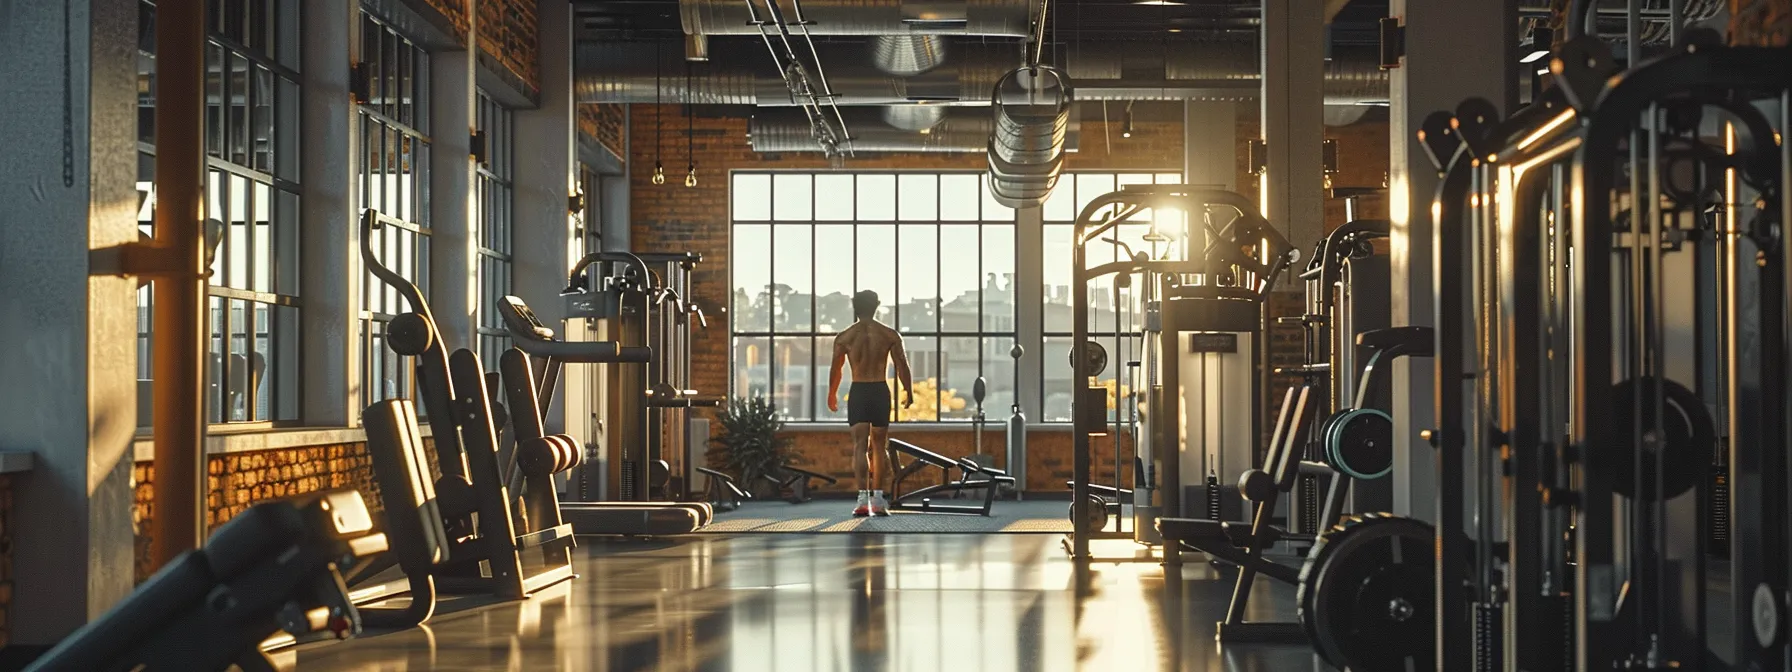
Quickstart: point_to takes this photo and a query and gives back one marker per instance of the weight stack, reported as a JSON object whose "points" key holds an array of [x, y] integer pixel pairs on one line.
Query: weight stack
{"points": [[1718, 508], [631, 481], [1213, 497], [1489, 627], [1309, 506], [586, 487]]}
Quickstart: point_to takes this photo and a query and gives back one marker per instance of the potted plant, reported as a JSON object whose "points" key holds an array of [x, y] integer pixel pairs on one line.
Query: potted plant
{"points": [[749, 446]]}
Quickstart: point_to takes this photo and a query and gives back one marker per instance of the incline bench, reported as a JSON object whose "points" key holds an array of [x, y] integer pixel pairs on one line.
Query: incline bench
{"points": [[990, 480], [275, 567]]}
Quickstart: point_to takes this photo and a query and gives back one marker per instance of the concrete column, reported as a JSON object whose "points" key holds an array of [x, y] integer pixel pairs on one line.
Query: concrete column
{"points": [[615, 212], [330, 286], [546, 174], [1455, 49], [1294, 118], [454, 233], [1210, 144], [1029, 311], [68, 182]]}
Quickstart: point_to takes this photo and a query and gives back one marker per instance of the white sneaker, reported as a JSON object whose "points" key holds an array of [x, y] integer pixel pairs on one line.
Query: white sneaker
{"points": [[864, 507], [879, 505]]}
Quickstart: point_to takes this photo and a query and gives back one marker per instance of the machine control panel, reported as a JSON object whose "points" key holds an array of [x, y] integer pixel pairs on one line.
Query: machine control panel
{"points": [[1213, 342]]}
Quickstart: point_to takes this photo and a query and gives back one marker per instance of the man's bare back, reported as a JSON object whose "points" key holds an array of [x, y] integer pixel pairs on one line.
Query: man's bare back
{"points": [[869, 346]]}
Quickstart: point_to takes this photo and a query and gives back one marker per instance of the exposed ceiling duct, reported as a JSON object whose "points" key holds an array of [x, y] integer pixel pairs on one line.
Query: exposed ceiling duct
{"points": [[958, 130], [961, 130], [907, 55], [623, 72], [994, 18], [914, 118]]}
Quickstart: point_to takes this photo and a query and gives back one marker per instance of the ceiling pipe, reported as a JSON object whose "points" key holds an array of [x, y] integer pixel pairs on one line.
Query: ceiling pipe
{"points": [[907, 55], [623, 72], [959, 130], [992, 18], [914, 118]]}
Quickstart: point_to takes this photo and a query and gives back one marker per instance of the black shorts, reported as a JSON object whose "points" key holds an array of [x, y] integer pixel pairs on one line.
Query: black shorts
{"points": [[868, 402]]}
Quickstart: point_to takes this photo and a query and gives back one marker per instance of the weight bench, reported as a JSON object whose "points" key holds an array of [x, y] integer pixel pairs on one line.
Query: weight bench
{"points": [[275, 567], [797, 482], [722, 493], [990, 480]]}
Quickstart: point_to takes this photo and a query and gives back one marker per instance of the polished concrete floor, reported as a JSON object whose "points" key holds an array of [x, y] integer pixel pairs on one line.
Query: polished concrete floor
{"points": [[789, 603], [835, 516]]}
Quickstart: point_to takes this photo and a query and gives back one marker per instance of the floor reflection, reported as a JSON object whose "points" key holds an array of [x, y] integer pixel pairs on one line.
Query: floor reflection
{"points": [[837, 602]]}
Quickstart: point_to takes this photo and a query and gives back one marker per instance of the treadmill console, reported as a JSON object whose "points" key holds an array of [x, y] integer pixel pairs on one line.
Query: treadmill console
{"points": [[521, 321]]}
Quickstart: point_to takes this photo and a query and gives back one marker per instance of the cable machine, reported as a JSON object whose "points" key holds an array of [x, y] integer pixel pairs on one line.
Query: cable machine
{"points": [[1205, 297]]}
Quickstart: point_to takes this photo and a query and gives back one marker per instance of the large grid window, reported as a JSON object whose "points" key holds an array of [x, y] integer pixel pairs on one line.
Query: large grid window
{"points": [[251, 207], [937, 249], [493, 121], [393, 124], [1110, 313]]}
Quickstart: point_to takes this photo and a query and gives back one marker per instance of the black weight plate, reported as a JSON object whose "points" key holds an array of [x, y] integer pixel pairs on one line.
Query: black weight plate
{"points": [[1316, 556], [1366, 599], [1095, 510], [1689, 433], [1325, 430], [1097, 354], [1360, 443]]}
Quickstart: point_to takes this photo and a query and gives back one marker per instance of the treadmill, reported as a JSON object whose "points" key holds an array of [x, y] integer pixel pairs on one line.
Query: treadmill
{"points": [[548, 355]]}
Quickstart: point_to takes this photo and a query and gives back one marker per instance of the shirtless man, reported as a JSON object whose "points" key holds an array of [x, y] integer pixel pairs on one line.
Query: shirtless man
{"points": [[871, 347]]}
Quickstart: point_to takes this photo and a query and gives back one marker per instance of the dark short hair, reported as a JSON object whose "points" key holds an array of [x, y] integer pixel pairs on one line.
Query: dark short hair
{"points": [[864, 304]]}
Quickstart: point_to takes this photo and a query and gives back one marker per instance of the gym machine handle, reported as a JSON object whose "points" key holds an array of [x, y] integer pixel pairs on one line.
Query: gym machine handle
{"points": [[1387, 345], [1328, 262], [531, 336], [587, 352], [573, 277]]}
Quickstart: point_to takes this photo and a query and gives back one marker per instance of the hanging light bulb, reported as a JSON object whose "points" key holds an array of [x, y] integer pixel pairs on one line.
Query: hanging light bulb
{"points": [[659, 120], [690, 132]]}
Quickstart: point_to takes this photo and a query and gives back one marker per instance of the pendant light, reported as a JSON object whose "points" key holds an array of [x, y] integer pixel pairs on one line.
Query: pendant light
{"points": [[659, 123], [690, 130]]}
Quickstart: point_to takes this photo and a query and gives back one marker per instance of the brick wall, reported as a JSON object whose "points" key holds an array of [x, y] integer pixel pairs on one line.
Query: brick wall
{"points": [[603, 122], [237, 480], [1048, 453], [1761, 23], [507, 35], [456, 11]]}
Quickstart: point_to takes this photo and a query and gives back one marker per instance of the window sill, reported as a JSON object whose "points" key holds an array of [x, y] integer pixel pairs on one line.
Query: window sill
{"points": [[220, 439]]}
